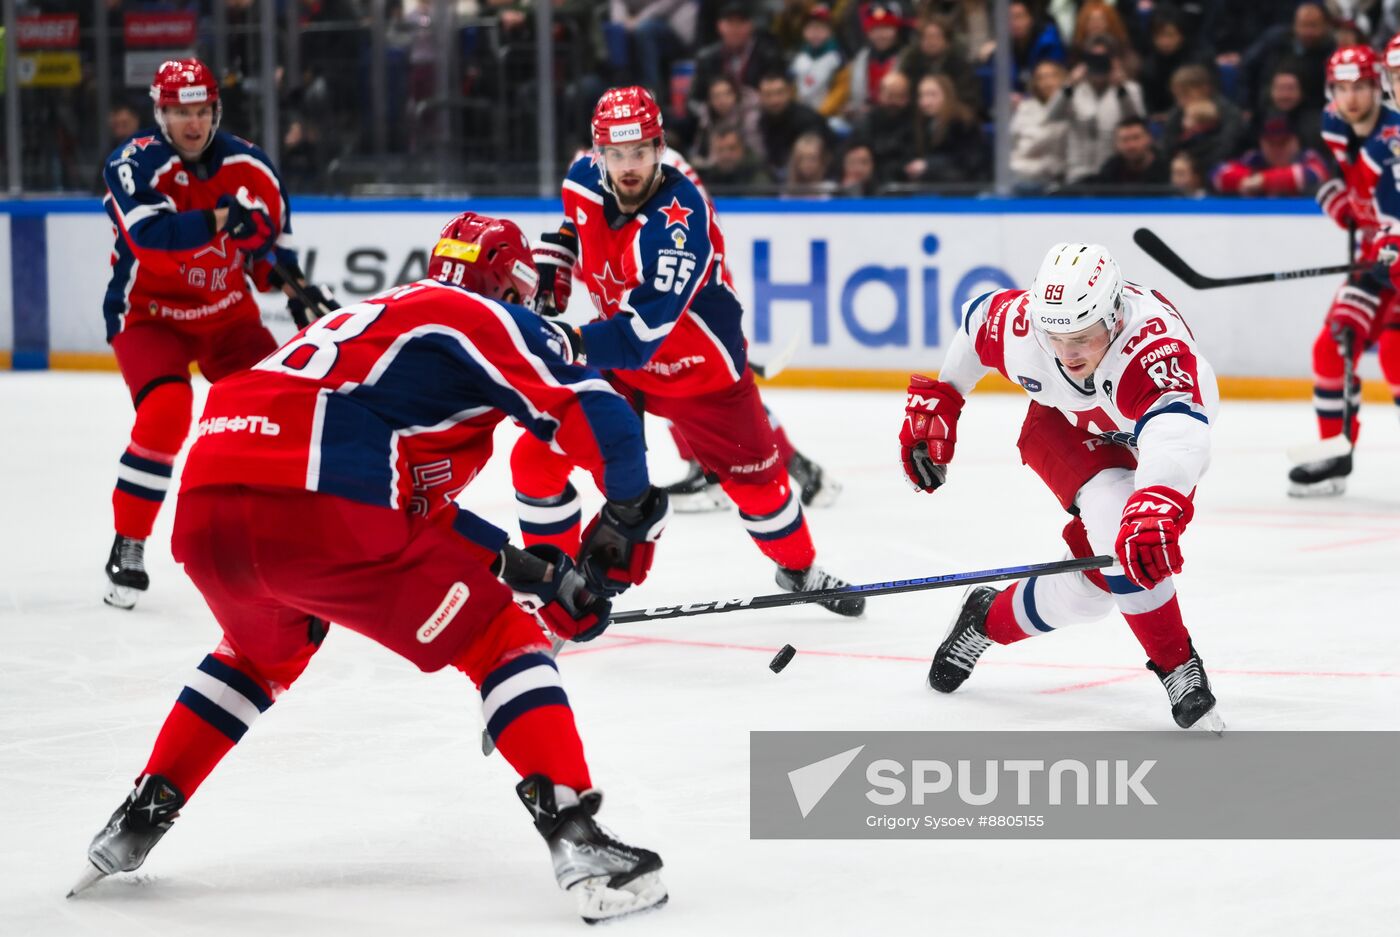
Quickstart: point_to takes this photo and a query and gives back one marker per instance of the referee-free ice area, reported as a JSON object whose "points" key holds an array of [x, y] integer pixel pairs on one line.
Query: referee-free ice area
{"points": [[360, 804]]}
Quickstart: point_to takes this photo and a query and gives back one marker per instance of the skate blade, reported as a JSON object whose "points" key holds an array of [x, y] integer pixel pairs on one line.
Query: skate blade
{"points": [[1211, 722], [1333, 447], [700, 502], [599, 904], [89, 877], [121, 596], [1329, 488]]}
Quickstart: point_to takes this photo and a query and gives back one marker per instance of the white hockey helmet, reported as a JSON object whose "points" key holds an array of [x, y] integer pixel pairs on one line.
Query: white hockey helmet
{"points": [[1076, 286]]}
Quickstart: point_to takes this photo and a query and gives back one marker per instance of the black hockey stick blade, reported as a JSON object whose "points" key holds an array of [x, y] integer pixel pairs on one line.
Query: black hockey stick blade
{"points": [[1156, 248], [919, 584]]}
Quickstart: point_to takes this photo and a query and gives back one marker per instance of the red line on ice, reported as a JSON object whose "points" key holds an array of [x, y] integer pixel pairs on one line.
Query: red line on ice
{"points": [[617, 642]]}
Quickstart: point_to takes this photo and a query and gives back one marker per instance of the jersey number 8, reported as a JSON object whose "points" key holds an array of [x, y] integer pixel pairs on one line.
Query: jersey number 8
{"points": [[314, 353]]}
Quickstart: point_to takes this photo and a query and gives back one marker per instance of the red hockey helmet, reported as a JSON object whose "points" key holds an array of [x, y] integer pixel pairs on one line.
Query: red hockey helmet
{"points": [[486, 255], [1392, 52], [185, 82], [1354, 63], [626, 115]]}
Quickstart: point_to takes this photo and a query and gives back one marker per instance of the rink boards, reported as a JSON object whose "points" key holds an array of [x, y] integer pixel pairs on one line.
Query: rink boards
{"points": [[868, 289]]}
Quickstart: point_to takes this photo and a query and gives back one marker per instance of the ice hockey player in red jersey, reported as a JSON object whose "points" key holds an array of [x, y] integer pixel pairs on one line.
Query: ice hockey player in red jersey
{"points": [[669, 337], [196, 212], [320, 488], [1118, 428], [1364, 137], [697, 491]]}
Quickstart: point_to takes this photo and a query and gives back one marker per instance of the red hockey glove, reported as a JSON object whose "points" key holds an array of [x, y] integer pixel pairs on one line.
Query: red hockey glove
{"points": [[1384, 273], [546, 582], [555, 254], [249, 226], [930, 431], [1153, 520], [1350, 318], [1332, 196], [620, 542]]}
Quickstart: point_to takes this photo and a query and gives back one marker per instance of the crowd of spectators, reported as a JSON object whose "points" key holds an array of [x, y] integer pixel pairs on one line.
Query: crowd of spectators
{"points": [[808, 97], [1190, 97]]}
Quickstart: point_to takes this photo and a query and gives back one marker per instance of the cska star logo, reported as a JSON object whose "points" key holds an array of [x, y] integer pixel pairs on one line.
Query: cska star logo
{"points": [[610, 287], [139, 143], [676, 214]]}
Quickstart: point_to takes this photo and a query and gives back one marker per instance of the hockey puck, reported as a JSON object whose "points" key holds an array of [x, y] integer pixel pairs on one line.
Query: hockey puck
{"points": [[780, 660]]}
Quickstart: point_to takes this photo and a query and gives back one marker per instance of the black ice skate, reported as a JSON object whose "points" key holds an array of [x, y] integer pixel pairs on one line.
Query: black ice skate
{"points": [[1321, 479], [1188, 689], [967, 639], [609, 878], [815, 579], [126, 572], [818, 489], [697, 493], [139, 823]]}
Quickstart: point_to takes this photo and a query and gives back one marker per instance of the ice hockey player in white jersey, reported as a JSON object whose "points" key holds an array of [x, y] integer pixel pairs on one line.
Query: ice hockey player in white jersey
{"points": [[1118, 428]]}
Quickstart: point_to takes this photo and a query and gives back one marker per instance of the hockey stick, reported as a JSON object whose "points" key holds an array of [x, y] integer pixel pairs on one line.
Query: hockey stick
{"points": [[289, 278], [1155, 248], [1336, 446], [774, 366], [780, 599]]}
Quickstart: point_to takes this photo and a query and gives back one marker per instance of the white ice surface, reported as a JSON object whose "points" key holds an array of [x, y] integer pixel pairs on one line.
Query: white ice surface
{"points": [[360, 804]]}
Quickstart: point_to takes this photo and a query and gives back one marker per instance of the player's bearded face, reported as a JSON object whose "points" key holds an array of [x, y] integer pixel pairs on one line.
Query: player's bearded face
{"points": [[1079, 352], [189, 126], [1356, 100], [631, 168]]}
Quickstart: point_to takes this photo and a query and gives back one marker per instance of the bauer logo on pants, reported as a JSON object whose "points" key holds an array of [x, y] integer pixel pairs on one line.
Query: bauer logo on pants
{"points": [[1074, 785], [451, 604]]}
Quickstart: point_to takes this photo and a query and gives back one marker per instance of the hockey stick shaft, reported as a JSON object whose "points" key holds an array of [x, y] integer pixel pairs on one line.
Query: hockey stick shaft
{"points": [[290, 277], [1154, 247], [898, 586], [874, 588], [1347, 347], [1345, 344]]}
